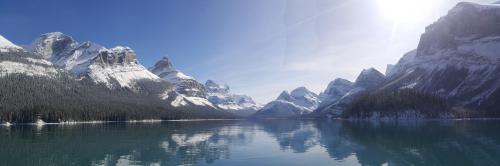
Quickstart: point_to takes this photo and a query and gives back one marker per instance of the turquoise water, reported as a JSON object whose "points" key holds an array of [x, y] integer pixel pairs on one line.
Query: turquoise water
{"points": [[271, 142]]}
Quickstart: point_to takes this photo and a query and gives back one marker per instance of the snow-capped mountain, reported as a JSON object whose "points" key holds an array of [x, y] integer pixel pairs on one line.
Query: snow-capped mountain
{"points": [[300, 101], [116, 67], [6, 45], [188, 89], [457, 58], [221, 97], [185, 85], [341, 92], [302, 97], [14, 60]]}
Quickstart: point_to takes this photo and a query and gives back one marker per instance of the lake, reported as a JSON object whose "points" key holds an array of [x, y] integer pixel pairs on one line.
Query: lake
{"points": [[263, 142]]}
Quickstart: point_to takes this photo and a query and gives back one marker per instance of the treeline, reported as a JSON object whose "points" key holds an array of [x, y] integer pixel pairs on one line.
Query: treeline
{"points": [[389, 103], [24, 99], [59, 98]]}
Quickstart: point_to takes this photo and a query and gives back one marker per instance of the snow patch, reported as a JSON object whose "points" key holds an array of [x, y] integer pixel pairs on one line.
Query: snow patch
{"points": [[124, 75], [10, 67], [6, 45]]}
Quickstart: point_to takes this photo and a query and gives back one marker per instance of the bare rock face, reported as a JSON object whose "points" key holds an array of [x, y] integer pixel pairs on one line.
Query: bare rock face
{"points": [[465, 22], [53, 46], [457, 58], [117, 56], [185, 85], [117, 67]]}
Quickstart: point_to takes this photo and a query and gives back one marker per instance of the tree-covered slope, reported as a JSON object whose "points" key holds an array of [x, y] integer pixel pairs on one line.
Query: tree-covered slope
{"points": [[26, 96]]}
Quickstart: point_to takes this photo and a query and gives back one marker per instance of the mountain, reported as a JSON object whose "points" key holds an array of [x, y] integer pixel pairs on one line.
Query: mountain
{"points": [[117, 67], [6, 45], [457, 58], [32, 88], [185, 85], [341, 92], [336, 89], [189, 90], [221, 97], [369, 79], [300, 101], [15, 60]]}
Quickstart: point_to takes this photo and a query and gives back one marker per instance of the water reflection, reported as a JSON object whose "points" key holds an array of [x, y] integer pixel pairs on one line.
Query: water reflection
{"points": [[233, 142], [298, 136]]}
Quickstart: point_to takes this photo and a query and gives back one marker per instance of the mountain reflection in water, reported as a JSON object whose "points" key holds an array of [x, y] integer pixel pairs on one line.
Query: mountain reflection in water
{"points": [[263, 142]]}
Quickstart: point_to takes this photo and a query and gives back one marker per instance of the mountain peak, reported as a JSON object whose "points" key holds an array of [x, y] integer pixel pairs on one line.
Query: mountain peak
{"points": [[117, 55], [369, 78], [340, 81], [53, 45], [336, 90], [302, 92], [370, 71], [466, 22], [338, 86], [284, 96], [163, 64], [56, 36]]}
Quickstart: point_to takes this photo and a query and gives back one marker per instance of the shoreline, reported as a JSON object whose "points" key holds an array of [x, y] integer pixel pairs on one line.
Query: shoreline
{"points": [[42, 123]]}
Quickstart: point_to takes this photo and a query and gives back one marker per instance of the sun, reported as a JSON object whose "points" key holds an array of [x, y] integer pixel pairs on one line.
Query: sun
{"points": [[402, 11]]}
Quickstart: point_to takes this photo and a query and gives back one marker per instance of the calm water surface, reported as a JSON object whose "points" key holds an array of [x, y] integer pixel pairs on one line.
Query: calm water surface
{"points": [[271, 142]]}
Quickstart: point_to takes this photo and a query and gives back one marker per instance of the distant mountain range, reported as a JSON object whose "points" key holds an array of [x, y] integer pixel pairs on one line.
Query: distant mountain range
{"points": [[456, 64], [117, 69], [454, 72]]}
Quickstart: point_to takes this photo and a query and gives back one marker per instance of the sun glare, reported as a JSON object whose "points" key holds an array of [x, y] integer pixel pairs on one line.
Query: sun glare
{"points": [[402, 11]]}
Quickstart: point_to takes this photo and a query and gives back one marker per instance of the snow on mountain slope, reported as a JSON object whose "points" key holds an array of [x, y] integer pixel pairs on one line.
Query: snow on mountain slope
{"points": [[116, 67], [6, 45], [26, 65], [303, 97], [183, 100], [120, 65], [281, 109], [188, 90], [300, 101], [220, 96], [185, 85], [457, 57], [14, 60]]}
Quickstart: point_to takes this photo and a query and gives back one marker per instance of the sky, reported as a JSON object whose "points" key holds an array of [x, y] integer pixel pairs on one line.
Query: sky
{"points": [[257, 47]]}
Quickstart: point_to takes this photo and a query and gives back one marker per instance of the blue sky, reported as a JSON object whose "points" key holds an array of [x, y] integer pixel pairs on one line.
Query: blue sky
{"points": [[258, 47]]}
